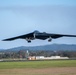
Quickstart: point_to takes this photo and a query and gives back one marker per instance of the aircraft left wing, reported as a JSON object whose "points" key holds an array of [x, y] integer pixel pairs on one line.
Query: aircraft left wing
{"points": [[55, 36]]}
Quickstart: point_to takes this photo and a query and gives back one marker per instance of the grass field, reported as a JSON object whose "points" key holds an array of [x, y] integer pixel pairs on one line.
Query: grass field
{"points": [[53, 67]]}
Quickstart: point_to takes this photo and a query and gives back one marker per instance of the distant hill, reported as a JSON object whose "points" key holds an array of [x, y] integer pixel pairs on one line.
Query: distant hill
{"points": [[51, 47]]}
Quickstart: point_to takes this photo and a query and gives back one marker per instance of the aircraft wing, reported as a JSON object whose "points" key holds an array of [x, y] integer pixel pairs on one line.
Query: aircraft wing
{"points": [[19, 37], [55, 36]]}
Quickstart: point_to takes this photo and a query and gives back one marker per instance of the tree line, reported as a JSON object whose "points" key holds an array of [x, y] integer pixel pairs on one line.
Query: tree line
{"points": [[47, 53]]}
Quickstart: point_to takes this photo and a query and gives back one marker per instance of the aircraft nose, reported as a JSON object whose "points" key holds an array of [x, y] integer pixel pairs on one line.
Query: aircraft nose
{"points": [[36, 31]]}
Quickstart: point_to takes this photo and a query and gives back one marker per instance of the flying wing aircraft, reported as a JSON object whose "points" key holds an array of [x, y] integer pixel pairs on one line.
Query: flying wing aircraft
{"points": [[38, 35]]}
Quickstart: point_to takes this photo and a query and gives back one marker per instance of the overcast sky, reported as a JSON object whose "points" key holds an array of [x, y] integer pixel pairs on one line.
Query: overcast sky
{"points": [[18, 17]]}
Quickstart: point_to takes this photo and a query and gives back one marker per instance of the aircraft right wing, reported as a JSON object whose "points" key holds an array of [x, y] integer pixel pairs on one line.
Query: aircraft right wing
{"points": [[19, 37]]}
